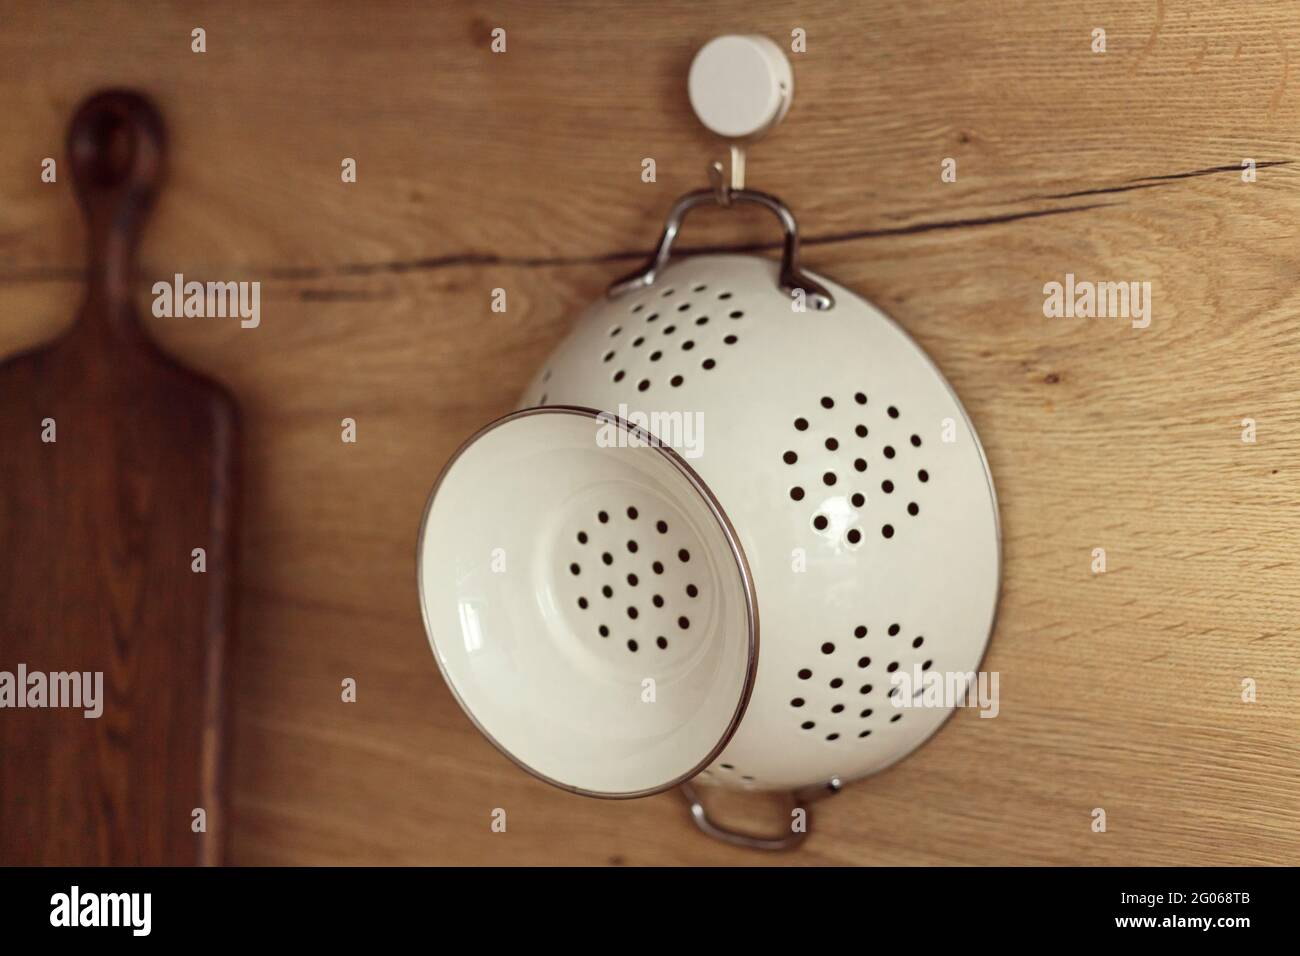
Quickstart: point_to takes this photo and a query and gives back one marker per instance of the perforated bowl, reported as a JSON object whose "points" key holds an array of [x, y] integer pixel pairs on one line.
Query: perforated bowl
{"points": [[838, 490]]}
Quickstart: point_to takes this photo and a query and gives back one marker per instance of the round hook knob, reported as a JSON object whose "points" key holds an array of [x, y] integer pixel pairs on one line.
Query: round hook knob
{"points": [[740, 86]]}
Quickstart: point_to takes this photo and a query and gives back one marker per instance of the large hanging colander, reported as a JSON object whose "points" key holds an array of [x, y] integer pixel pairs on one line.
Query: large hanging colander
{"points": [[698, 457]]}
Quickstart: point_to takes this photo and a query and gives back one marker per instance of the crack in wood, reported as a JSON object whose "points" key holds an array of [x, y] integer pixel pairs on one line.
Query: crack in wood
{"points": [[1212, 170], [1153, 182], [428, 264], [534, 262], [1099, 191], [397, 267]]}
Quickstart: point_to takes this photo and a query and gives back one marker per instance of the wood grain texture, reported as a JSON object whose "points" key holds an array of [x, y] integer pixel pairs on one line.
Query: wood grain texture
{"points": [[522, 171], [117, 465]]}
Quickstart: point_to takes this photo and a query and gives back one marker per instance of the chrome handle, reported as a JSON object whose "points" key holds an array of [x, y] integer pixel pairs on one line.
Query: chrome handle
{"points": [[748, 841], [792, 278]]}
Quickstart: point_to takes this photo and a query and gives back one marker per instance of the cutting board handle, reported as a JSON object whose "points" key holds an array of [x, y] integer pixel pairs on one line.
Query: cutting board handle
{"points": [[115, 144]]}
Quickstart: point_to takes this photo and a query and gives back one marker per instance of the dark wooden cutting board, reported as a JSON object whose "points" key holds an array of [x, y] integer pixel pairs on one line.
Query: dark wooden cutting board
{"points": [[98, 530]]}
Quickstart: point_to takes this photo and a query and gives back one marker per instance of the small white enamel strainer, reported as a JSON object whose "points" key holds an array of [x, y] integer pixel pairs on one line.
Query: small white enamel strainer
{"points": [[701, 461]]}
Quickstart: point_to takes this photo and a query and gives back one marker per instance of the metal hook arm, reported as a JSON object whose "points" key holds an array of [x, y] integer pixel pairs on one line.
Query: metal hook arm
{"points": [[792, 278], [748, 841], [799, 799]]}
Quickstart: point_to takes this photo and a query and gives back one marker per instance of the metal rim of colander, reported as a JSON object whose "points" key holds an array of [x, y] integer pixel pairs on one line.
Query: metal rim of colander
{"points": [[719, 515]]}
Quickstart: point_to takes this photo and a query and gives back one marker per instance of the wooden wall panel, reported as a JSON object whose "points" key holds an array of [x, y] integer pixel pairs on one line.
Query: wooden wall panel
{"points": [[522, 171]]}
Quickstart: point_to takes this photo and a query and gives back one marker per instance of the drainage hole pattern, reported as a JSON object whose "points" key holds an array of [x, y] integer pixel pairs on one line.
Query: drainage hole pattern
{"points": [[671, 335], [845, 689], [543, 394], [729, 773], [632, 582], [862, 451]]}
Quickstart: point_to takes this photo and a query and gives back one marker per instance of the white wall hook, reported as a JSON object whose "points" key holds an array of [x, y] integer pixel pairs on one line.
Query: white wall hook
{"points": [[740, 87]]}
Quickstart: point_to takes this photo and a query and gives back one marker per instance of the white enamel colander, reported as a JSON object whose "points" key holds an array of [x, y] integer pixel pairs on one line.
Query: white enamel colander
{"points": [[737, 505]]}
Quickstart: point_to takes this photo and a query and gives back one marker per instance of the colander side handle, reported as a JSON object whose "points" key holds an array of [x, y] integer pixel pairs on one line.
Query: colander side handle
{"points": [[792, 277], [748, 841]]}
